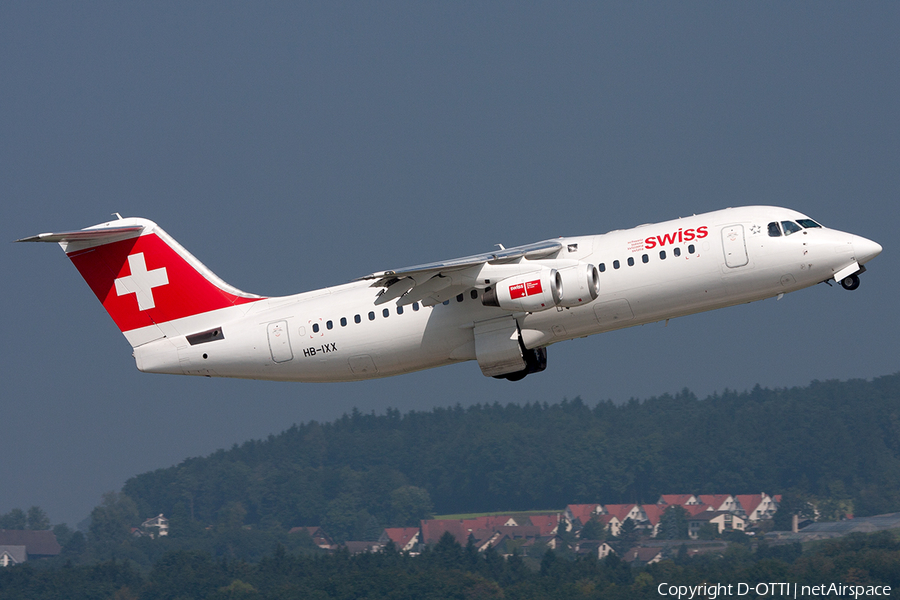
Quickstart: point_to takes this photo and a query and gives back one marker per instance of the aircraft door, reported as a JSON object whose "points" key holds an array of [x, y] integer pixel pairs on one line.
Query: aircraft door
{"points": [[279, 343], [734, 246]]}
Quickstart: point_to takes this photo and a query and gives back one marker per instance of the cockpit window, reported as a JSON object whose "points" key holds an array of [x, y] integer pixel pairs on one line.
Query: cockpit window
{"points": [[774, 229], [790, 227], [808, 223]]}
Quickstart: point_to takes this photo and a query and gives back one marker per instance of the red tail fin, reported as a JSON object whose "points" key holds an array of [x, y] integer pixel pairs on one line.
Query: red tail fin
{"points": [[142, 276]]}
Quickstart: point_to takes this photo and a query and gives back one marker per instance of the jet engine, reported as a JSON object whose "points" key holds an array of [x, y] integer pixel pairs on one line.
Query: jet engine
{"points": [[528, 292], [581, 283]]}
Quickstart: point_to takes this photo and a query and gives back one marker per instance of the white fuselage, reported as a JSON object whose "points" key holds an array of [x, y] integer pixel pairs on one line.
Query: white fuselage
{"points": [[340, 334]]}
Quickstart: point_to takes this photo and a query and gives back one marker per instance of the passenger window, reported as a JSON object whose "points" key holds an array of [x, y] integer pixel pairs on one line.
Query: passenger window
{"points": [[691, 249], [615, 264], [415, 306], [371, 315], [329, 325], [630, 261], [343, 321], [645, 259], [774, 229], [474, 294], [459, 298], [601, 267], [790, 227], [315, 328], [677, 251], [662, 254], [446, 302], [386, 313], [808, 223], [399, 310], [357, 319]]}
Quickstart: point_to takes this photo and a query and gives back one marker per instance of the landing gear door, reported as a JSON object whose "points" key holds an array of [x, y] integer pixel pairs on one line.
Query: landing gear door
{"points": [[734, 246], [497, 347], [279, 343]]}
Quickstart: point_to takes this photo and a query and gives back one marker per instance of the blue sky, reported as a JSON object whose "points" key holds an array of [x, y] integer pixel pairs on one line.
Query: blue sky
{"points": [[291, 146]]}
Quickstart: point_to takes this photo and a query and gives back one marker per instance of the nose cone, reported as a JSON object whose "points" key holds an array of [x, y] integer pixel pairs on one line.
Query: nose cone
{"points": [[865, 250]]}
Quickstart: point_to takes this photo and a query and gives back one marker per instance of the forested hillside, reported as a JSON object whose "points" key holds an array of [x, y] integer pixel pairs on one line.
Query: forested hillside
{"points": [[829, 440]]}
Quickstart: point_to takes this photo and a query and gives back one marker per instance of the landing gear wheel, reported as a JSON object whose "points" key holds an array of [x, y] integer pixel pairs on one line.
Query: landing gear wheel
{"points": [[850, 283]]}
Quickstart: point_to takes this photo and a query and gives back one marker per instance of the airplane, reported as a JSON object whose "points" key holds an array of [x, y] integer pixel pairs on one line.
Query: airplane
{"points": [[501, 309]]}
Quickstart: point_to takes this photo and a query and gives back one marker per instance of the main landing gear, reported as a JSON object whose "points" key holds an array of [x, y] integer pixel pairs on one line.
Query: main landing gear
{"points": [[535, 362], [850, 282]]}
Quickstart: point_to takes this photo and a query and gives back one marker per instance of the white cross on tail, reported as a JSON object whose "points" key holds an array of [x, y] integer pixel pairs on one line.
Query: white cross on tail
{"points": [[141, 281]]}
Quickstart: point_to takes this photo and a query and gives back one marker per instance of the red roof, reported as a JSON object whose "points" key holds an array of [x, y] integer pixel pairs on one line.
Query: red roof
{"points": [[714, 500], [582, 512], [479, 527], [401, 535], [654, 512], [433, 529], [696, 509], [680, 499], [749, 502], [36, 542], [546, 523], [620, 511], [643, 555]]}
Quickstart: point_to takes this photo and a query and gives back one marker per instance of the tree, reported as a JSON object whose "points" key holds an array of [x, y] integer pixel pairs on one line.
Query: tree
{"points": [[792, 504], [231, 516], [594, 530], [673, 524], [628, 531], [409, 505], [14, 519], [708, 531], [111, 522], [37, 519]]}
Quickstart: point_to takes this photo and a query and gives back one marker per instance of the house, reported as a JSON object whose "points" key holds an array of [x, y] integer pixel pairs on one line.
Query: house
{"points": [[653, 512], [611, 523], [626, 511], [434, 529], [643, 556], [12, 555], [595, 547], [405, 538], [757, 507], [721, 519], [461, 529], [548, 524], [159, 523], [362, 547], [38, 544], [503, 535], [697, 509], [318, 535]]}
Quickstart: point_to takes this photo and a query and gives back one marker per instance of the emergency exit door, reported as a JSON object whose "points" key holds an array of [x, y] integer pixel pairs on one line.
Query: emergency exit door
{"points": [[279, 343], [734, 246]]}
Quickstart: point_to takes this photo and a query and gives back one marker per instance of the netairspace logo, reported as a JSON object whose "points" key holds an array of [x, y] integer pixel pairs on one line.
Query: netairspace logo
{"points": [[711, 591]]}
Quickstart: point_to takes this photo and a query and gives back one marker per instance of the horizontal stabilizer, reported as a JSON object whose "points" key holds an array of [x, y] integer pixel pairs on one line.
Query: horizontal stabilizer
{"points": [[84, 235]]}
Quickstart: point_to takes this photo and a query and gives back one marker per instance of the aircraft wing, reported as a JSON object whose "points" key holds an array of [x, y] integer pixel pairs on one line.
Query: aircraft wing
{"points": [[433, 279]]}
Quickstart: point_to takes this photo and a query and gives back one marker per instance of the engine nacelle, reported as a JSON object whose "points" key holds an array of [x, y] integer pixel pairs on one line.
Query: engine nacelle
{"points": [[529, 292], [581, 283]]}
